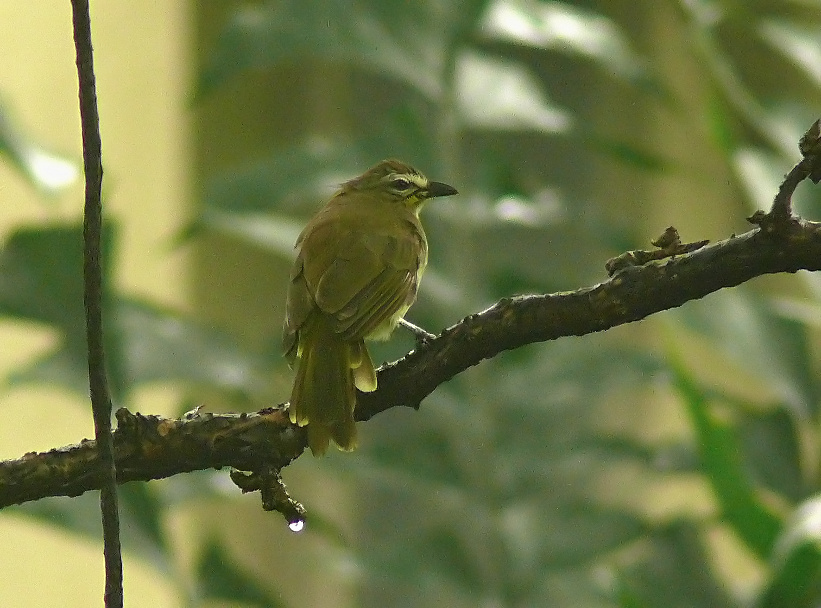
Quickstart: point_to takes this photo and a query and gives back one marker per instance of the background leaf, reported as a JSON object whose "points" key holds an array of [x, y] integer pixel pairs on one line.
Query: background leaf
{"points": [[50, 172]]}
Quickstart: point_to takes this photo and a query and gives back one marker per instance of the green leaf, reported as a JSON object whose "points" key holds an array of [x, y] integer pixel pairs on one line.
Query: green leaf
{"points": [[630, 154], [502, 95], [146, 344], [754, 335], [158, 345], [540, 535], [41, 275], [760, 173], [672, 570], [772, 452], [563, 27], [577, 588], [308, 171], [67, 366], [670, 457], [736, 93], [143, 512], [402, 40], [626, 597], [798, 43], [422, 456], [802, 310], [448, 556], [270, 232], [721, 124], [220, 578], [41, 280], [576, 374], [43, 168], [796, 580], [752, 519]]}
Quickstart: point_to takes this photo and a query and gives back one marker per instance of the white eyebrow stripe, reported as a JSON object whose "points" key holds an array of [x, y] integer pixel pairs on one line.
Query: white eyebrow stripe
{"points": [[420, 181]]}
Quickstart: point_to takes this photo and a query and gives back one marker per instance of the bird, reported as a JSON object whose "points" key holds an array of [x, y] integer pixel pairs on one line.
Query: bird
{"points": [[357, 269]]}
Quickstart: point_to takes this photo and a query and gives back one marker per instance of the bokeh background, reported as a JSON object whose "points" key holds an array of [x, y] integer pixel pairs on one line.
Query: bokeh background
{"points": [[673, 462]]}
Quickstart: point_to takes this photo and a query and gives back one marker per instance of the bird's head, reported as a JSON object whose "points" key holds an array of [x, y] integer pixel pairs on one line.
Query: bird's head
{"points": [[395, 181]]}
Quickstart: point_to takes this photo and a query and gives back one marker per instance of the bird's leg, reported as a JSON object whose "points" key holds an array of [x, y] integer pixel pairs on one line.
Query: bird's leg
{"points": [[422, 337]]}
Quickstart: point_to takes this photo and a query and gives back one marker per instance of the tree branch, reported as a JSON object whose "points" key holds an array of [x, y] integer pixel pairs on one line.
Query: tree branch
{"points": [[634, 293], [150, 447], [92, 296]]}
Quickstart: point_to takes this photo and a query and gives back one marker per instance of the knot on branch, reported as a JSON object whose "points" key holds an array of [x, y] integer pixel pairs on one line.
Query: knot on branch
{"points": [[274, 495], [669, 245], [232, 439]]}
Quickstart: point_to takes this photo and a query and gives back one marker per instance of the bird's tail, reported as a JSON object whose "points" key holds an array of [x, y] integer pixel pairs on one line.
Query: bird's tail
{"points": [[323, 397]]}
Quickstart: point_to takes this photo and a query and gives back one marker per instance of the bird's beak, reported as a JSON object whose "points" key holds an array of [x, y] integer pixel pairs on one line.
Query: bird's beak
{"points": [[439, 189]]}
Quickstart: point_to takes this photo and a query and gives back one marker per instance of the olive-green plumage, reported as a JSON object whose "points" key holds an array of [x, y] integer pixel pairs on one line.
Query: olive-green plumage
{"points": [[358, 265]]}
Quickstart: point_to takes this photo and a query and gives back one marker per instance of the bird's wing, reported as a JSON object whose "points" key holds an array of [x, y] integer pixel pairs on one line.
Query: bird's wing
{"points": [[298, 307], [387, 294], [362, 277]]}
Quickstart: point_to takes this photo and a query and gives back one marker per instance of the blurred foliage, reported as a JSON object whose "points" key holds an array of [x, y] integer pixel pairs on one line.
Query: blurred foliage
{"points": [[592, 472], [48, 171]]}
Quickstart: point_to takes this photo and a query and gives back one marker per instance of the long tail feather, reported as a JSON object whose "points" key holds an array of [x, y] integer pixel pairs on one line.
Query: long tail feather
{"points": [[323, 397]]}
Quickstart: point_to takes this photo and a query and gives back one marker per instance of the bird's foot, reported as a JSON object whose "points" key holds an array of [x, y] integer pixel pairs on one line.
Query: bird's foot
{"points": [[421, 336]]}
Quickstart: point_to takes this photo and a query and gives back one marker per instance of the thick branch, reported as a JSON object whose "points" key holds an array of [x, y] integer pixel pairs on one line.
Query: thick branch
{"points": [[149, 447]]}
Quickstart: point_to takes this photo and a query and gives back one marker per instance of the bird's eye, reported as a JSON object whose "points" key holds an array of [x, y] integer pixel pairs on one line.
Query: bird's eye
{"points": [[400, 183]]}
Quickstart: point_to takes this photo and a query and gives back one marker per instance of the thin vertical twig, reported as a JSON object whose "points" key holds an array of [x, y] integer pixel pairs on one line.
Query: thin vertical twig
{"points": [[93, 296]]}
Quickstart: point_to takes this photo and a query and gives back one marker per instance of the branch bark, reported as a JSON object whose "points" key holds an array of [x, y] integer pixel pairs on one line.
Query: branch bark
{"points": [[150, 447], [93, 296]]}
